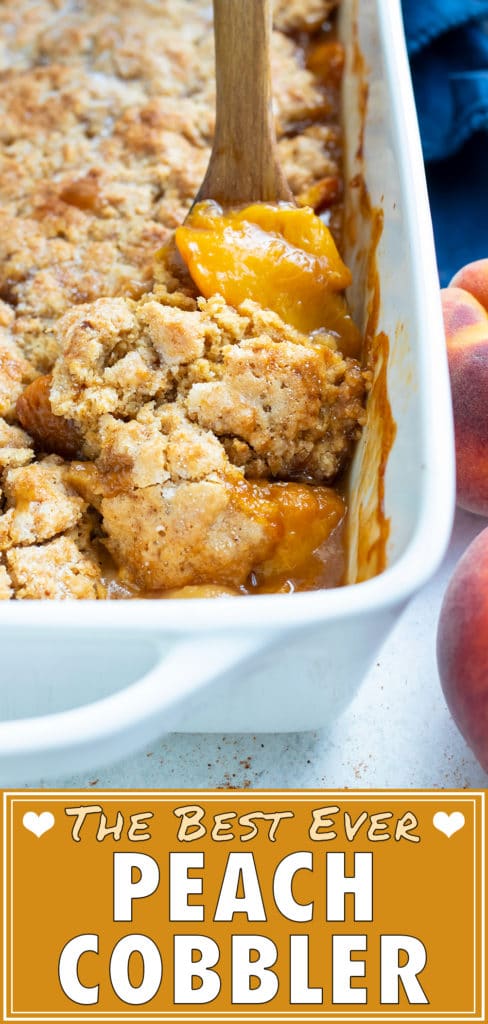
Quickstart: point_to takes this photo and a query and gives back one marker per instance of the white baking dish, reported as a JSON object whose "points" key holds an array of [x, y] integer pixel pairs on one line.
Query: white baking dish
{"points": [[83, 683]]}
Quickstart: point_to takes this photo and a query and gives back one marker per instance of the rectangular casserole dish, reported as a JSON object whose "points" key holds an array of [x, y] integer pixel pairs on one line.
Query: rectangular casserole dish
{"points": [[83, 683]]}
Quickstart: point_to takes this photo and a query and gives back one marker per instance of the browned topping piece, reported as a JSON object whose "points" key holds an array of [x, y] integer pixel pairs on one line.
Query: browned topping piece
{"points": [[171, 536], [6, 590], [15, 371], [296, 16], [106, 119], [40, 504], [56, 571], [295, 405], [15, 446]]}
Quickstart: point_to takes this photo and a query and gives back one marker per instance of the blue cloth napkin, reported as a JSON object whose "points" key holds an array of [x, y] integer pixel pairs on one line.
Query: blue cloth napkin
{"points": [[448, 47]]}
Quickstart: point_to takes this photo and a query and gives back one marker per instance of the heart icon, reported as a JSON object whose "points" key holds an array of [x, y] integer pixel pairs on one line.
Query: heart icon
{"points": [[38, 823], [448, 823]]}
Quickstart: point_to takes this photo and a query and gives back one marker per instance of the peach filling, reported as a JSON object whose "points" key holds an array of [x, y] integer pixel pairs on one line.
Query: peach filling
{"points": [[281, 257]]}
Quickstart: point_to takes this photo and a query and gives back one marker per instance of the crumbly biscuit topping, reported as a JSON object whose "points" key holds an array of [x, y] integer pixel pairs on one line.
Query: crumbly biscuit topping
{"points": [[139, 422], [106, 121]]}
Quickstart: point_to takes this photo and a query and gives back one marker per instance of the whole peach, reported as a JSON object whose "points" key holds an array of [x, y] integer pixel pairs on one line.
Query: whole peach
{"points": [[460, 309], [474, 279], [467, 347], [462, 647]]}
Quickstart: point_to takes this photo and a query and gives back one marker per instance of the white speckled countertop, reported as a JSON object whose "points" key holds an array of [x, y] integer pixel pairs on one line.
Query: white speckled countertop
{"points": [[396, 733]]}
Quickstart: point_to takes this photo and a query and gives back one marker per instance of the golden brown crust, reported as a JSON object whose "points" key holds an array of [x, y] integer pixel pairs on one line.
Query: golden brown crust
{"points": [[296, 16], [241, 375], [15, 371], [15, 446], [55, 571], [6, 589], [189, 533], [39, 504], [106, 119]]}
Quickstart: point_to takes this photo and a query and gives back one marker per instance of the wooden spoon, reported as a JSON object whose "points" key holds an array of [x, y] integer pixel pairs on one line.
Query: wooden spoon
{"points": [[244, 165]]}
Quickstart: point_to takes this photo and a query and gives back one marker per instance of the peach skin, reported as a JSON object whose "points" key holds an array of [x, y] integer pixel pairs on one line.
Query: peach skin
{"points": [[474, 278], [467, 347], [462, 647], [460, 309]]}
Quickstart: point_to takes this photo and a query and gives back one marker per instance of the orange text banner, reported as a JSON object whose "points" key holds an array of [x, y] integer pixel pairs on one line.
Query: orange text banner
{"points": [[282, 905]]}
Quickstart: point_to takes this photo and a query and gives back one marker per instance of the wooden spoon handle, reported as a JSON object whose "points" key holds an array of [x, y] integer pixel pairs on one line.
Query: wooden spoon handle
{"points": [[244, 165]]}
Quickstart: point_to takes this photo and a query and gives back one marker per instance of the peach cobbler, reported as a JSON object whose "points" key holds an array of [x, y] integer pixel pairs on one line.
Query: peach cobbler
{"points": [[178, 399]]}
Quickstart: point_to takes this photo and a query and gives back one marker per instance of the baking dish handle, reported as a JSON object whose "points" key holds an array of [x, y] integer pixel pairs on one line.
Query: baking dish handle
{"points": [[115, 726]]}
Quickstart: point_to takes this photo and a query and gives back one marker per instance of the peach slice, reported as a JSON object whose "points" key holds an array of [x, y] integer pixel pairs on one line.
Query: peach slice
{"points": [[49, 432], [283, 258]]}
